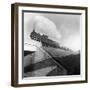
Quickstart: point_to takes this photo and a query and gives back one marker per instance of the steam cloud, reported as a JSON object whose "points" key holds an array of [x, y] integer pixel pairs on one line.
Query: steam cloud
{"points": [[47, 27]]}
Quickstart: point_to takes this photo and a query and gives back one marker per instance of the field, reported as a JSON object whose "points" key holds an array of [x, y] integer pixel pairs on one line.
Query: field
{"points": [[48, 61]]}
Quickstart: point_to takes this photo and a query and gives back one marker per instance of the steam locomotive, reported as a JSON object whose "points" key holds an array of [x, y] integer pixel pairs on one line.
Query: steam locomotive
{"points": [[43, 39]]}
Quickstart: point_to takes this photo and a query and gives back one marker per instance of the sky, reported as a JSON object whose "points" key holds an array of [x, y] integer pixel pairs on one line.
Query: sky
{"points": [[63, 28]]}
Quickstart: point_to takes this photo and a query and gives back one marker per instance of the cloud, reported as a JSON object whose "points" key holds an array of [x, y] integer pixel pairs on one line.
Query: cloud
{"points": [[73, 42], [46, 26]]}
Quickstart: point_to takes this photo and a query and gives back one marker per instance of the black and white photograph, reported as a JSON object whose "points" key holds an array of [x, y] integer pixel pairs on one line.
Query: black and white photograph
{"points": [[49, 44], [52, 44]]}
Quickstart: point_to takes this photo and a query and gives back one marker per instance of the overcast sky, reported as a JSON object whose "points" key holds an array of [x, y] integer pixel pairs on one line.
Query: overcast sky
{"points": [[63, 28]]}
